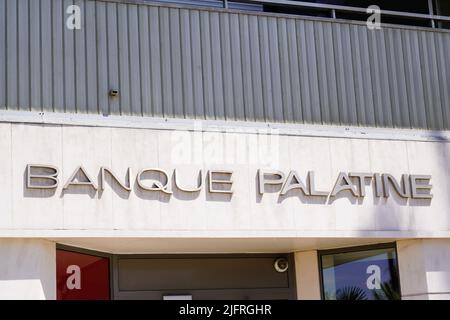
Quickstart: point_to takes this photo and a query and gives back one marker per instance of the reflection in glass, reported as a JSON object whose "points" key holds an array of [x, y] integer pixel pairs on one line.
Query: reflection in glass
{"points": [[361, 275]]}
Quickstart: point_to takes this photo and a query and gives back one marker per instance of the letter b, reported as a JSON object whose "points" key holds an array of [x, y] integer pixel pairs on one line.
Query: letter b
{"points": [[32, 178]]}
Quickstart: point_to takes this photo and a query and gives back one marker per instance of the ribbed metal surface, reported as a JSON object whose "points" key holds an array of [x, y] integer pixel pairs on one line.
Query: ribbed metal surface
{"points": [[173, 62]]}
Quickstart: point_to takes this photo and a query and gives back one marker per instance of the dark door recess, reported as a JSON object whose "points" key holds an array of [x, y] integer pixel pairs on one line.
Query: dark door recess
{"points": [[202, 277]]}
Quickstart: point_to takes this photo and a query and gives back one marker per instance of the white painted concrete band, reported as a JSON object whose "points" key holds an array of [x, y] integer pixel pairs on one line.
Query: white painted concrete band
{"points": [[329, 131], [199, 234]]}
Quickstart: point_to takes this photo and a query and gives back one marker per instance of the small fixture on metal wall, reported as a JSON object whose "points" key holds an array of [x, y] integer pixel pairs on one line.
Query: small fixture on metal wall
{"points": [[281, 265], [113, 93]]}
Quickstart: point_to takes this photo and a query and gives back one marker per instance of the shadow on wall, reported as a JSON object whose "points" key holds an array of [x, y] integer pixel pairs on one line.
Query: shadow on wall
{"points": [[444, 163]]}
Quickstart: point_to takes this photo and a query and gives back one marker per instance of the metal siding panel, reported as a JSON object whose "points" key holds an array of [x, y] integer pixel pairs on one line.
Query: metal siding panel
{"points": [[331, 74], [220, 65], [91, 58], [399, 68], [352, 116], [226, 67], [46, 63], [197, 67], [392, 78], [155, 61], [113, 57], [295, 76], [166, 62], [35, 56], [175, 50], [207, 65], [418, 84], [275, 76], [69, 64], [102, 56], [285, 74], [313, 72], [58, 56], [267, 89], [377, 116], [186, 64], [236, 63], [24, 55], [409, 74], [3, 54], [443, 56], [303, 70], [360, 54], [246, 61], [322, 73], [124, 60], [434, 93], [256, 67], [80, 62], [446, 44], [384, 116], [12, 91], [144, 58], [134, 60], [340, 75], [216, 54], [426, 80]]}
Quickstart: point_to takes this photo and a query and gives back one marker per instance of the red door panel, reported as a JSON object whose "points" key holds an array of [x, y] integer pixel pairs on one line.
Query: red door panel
{"points": [[81, 276]]}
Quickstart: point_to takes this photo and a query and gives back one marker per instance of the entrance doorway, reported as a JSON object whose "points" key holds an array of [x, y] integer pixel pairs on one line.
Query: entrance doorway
{"points": [[203, 277], [86, 274]]}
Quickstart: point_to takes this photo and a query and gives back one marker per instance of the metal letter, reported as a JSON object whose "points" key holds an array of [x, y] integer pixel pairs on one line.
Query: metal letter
{"points": [[348, 185], [212, 181], [157, 185], [416, 187], [72, 182], [198, 188], [52, 177], [402, 191], [378, 185], [312, 186], [263, 181], [361, 181], [297, 184], [123, 185]]}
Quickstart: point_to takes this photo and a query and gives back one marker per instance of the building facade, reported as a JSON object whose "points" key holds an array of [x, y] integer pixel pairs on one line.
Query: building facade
{"points": [[214, 150]]}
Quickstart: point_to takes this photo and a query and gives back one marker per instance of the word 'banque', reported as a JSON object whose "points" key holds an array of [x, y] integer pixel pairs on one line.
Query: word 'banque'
{"points": [[220, 181]]}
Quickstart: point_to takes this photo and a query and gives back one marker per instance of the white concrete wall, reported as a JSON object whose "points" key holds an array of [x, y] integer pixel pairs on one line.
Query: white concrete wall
{"points": [[307, 275], [27, 269], [424, 267], [114, 213]]}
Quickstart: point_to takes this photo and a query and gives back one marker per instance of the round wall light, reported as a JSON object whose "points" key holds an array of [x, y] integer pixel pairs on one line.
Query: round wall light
{"points": [[281, 265]]}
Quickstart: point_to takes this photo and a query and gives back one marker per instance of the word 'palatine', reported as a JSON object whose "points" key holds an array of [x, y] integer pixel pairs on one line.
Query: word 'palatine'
{"points": [[220, 181]]}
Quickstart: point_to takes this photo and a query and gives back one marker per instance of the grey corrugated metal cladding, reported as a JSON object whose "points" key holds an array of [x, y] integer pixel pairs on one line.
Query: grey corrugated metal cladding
{"points": [[194, 63]]}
